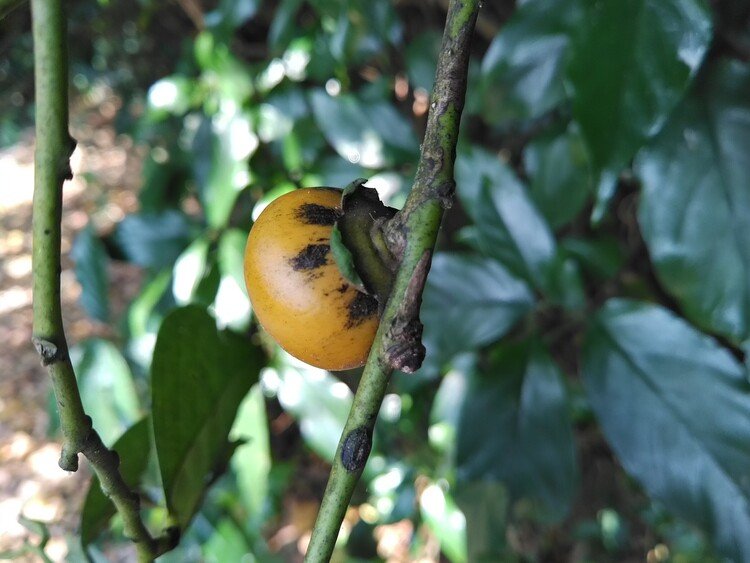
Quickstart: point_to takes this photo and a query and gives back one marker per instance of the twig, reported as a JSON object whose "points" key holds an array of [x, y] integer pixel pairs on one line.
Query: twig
{"points": [[411, 235], [51, 169]]}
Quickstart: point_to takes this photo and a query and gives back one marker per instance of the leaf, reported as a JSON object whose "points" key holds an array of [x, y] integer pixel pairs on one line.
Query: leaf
{"points": [[189, 269], [348, 129], [675, 407], [227, 543], [229, 15], [515, 428], [229, 144], [199, 376], [106, 386], [561, 178], [522, 71], [91, 262], [232, 306], [153, 240], [133, 447], [695, 203], [512, 231], [446, 521], [630, 65], [421, 59], [319, 402], [252, 461], [468, 302], [485, 506]]}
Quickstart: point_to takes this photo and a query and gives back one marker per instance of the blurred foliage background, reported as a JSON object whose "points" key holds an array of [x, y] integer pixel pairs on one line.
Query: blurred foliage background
{"points": [[585, 395]]}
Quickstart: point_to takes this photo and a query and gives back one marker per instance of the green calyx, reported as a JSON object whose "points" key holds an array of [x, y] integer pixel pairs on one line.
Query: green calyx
{"points": [[358, 244]]}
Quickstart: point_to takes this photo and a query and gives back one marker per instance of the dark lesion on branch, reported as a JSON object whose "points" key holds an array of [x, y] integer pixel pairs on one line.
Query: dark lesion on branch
{"points": [[404, 350]]}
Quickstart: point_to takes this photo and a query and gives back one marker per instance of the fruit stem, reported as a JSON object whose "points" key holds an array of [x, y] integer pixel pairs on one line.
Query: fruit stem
{"points": [[411, 237], [51, 169]]}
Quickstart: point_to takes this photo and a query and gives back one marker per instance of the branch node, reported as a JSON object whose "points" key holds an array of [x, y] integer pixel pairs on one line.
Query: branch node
{"points": [[405, 350], [48, 351]]}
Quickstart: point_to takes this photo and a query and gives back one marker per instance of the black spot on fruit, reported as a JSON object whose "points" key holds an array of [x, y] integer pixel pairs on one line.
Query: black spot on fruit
{"points": [[361, 308], [311, 257], [315, 214]]}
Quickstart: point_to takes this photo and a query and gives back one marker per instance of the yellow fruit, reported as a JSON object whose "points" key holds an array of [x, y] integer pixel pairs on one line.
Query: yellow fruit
{"points": [[296, 289]]}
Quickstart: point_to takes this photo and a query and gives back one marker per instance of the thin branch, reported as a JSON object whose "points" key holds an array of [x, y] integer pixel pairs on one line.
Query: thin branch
{"points": [[411, 236], [51, 169]]}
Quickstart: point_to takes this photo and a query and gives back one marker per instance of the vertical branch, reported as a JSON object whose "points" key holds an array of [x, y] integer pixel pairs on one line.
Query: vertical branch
{"points": [[51, 169], [411, 236]]}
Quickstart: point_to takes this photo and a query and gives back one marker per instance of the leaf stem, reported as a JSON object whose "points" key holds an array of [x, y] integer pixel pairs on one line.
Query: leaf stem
{"points": [[411, 236], [51, 169]]}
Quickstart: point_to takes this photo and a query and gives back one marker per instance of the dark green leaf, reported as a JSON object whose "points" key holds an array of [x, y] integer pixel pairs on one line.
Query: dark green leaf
{"points": [[485, 506], [91, 263], [107, 389], [561, 178], [134, 448], [199, 376], [511, 229], [229, 15], [153, 240], [444, 518], [630, 65], [252, 462], [695, 209], [601, 256], [421, 59], [522, 72], [515, 428], [468, 302], [675, 407]]}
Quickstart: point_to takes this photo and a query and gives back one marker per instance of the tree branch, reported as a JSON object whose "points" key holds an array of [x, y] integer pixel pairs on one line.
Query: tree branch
{"points": [[411, 236], [51, 169]]}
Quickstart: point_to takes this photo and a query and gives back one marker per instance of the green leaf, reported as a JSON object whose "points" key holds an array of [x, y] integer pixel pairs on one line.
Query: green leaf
{"points": [[229, 15], [695, 206], [348, 129], [630, 65], [199, 376], [189, 269], [91, 262], [515, 428], [421, 59], [601, 256], [134, 448], [468, 302], [107, 389], [522, 71], [252, 461], [230, 144], [227, 543], [485, 506], [446, 521], [675, 407], [344, 259], [511, 229], [153, 240], [319, 402], [560, 172], [232, 306]]}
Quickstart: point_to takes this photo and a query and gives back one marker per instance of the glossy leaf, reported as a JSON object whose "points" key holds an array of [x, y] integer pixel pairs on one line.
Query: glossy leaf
{"points": [[199, 377], [91, 263], [512, 230], [561, 178], [515, 428], [133, 447], [468, 302], [485, 505], [630, 65], [695, 208], [153, 240], [446, 521], [675, 407], [252, 461], [348, 129], [522, 71], [107, 388]]}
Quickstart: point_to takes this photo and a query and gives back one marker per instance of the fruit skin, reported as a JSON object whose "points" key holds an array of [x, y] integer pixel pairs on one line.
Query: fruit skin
{"points": [[296, 289]]}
